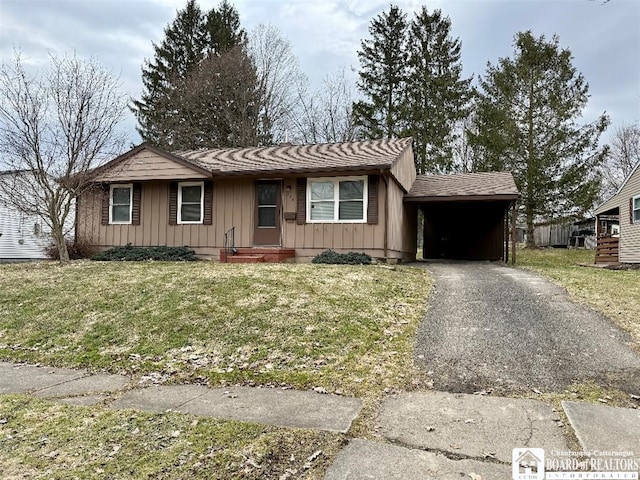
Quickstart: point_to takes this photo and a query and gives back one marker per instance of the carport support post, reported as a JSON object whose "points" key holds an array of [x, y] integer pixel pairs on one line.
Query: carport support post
{"points": [[506, 236], [514, 216]]}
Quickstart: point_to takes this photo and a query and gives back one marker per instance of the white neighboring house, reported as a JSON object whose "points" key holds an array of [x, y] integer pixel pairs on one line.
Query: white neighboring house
{"points": [[22, 236]]}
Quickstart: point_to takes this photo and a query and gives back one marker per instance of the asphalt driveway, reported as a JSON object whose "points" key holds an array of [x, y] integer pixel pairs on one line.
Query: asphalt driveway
{"points": [[491, 327]]}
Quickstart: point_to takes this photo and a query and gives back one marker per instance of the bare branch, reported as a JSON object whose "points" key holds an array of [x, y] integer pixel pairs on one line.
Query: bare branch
{"points": [[54, 128]]}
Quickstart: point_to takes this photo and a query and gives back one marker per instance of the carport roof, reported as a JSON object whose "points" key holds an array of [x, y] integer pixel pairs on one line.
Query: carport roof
{"points": [[463, 187]]}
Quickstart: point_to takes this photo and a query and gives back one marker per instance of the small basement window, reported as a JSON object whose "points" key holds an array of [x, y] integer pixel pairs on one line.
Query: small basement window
{"points": [[120, 203], [190, 202], [339, 200]]}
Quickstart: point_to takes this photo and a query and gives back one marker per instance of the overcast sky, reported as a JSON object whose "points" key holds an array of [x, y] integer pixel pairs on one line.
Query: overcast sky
{"points": [[604, 38]]}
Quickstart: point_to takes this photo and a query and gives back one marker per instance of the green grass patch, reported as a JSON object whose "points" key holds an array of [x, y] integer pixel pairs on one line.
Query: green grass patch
{"points": [[614, 293], [41, 439], [345, 328]]}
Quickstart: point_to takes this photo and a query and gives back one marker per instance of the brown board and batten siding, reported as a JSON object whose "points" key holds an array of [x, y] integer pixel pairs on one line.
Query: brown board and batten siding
{"points": [[230, 177], [309, 239], [232, 206]]}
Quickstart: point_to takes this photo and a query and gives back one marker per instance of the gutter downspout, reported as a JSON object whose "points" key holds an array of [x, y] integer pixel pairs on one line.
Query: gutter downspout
{"points": [[386, 214]]}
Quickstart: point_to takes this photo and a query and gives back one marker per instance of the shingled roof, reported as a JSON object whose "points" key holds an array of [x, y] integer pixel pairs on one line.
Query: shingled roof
{"points": [[463, 186], [364, 155]]}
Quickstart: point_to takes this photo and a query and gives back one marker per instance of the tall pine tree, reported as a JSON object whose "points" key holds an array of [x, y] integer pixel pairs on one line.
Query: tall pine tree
{"points": [[382, 75], [527, 118], [436, 96], [192, 36]]}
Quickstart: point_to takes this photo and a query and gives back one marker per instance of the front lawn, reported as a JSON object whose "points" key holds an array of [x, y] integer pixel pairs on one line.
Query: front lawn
{"points": [[614, 293], [348, 329], [45, 440]]}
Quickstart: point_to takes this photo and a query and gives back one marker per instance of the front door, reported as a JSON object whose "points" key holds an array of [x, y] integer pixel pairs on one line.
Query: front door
{"points": [[267, 215]]}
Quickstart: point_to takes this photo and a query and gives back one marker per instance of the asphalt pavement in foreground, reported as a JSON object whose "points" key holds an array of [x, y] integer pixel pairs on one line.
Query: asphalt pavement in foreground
{"points": [[494, 328]]}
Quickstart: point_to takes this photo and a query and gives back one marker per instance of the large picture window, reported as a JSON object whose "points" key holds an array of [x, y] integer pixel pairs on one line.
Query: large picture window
{"points": [[190, 202], [120, 203], [636, 209], [340, 199]]}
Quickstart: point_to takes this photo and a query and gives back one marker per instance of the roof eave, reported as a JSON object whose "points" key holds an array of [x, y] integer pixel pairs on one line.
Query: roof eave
{"points": [[460, 198], [302, 171]]}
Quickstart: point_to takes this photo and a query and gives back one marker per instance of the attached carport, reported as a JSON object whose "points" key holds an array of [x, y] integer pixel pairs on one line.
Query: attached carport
{"points": [[466, 215]]}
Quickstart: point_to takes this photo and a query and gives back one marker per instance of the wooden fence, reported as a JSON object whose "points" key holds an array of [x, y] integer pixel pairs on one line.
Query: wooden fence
{"points": [[607, 250]]}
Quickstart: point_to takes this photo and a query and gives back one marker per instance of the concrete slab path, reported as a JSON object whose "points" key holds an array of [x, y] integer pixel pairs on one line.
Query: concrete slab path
{"points": [[287, 408], [472, 426], [604, 429], [362, 459]]}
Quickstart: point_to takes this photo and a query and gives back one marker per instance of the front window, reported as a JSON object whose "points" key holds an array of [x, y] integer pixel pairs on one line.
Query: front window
{"points": [[340, 199], [120, 202], [636, 209], [190, 202]]}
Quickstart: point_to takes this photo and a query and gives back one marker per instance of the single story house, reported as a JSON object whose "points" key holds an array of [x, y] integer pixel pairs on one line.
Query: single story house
{"points": [[269, 203], [624, 205]]}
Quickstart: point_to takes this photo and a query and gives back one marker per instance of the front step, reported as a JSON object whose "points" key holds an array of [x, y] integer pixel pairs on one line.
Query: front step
{"points": [[265, 254], [246, 259]]}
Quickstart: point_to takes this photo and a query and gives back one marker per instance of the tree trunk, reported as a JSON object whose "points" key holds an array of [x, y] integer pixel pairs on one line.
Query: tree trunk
{"points": [[61, 243], [531, 241]]}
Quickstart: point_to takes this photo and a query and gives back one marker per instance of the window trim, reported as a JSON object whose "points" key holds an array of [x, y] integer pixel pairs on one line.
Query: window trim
{"points": [[111, 205], [635, 221], [336, 201], [179, 220]]}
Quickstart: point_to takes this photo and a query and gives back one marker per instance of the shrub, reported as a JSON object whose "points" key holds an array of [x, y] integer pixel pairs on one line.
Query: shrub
{"points": [[351, 258], [129, 253], [77, 250]]}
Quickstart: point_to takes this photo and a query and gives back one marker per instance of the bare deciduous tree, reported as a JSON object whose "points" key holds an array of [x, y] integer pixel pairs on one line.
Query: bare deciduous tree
{"points": [[623, 156], [325, 115], [279, 76], [54, 128]]}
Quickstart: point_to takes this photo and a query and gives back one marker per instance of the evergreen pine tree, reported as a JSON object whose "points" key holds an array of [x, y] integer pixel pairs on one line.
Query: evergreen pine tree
{"points": [[436, 97], [189, 39], [527, 122], [223, 30], [382, 76]]}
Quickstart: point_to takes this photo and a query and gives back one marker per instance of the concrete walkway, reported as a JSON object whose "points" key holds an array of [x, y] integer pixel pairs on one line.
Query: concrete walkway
{"points": [[445, 436], [422, 435], [286, 408]]}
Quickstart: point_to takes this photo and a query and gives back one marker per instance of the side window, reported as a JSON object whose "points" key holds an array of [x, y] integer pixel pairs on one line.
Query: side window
{"points": [[120, 203], [190, 202], [636, 209]]}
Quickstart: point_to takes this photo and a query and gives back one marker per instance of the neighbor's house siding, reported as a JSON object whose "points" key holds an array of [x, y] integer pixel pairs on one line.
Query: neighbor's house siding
{"points": [[20, 239], [629, 232]]}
